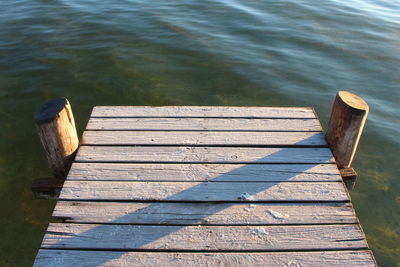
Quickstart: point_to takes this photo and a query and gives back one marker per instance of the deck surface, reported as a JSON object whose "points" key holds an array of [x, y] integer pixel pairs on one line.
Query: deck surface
{"points": [[204, 186]]}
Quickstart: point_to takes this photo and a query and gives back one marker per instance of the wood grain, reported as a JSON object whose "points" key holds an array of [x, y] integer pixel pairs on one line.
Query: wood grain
{"points": [[203, 111], [77, 258], [188, 154], [240, 186], [204, 124], [204, 172], [346, 124], [204, 213], [203, 138], [56, 128], [203, 238], [195, 191]]}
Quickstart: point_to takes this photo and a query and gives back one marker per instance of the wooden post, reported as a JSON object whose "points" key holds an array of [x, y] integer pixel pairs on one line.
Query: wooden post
{"points": [[346, 124], [349, 113], [56, 128]]}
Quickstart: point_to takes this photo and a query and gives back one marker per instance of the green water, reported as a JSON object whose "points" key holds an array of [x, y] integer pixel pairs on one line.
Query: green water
{"points": [[280, 53]]}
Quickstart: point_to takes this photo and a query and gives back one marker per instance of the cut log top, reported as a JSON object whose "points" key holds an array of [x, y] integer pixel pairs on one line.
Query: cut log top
{"points": [[50, 110], [353, 101]]}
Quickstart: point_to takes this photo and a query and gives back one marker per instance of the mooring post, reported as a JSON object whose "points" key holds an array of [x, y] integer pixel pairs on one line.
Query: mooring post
{"points": [[56, 128], [346, 124]]}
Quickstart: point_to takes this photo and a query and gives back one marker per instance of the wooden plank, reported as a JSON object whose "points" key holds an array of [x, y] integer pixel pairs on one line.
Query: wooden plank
{"points": [[203, 154], [76, 258], [203, 111], [203, 138], [204, 172], [197, 191], [203, 124], [204, 238], [204, 213]]}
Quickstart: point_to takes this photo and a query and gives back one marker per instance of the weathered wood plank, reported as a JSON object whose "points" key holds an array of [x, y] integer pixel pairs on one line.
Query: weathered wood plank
{"points": [[203, 124], [204, 154], [76, 258], [195, 191], [204, 238], [203, 138], [202, 111], [204, 172], [204, 213]]}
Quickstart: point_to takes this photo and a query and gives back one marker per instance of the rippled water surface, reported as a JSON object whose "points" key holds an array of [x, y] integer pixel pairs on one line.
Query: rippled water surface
{"points": [[269, 53]]}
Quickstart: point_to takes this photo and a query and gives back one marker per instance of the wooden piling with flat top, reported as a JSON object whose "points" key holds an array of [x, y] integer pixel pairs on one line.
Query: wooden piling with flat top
{"points": [[349, 113], [56, 128]]}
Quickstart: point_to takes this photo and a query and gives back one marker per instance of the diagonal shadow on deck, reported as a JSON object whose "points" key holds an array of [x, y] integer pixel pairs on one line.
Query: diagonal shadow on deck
{"points": [[87, 240]]}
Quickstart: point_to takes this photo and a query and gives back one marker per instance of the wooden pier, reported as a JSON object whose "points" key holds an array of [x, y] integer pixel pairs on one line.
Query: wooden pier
{"points": [[204, 186]]}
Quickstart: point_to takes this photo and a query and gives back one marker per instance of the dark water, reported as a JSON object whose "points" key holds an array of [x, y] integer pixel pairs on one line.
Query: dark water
{"points": [[269, 53]]}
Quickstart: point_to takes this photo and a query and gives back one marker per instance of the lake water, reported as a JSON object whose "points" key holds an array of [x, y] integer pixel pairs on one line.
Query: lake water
{"points": [[238, 52]]}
